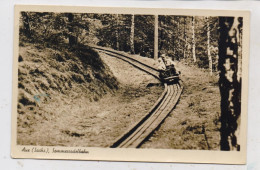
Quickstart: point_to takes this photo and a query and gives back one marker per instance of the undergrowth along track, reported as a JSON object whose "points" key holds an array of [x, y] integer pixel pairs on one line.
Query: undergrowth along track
{"points": [[135, 136]]}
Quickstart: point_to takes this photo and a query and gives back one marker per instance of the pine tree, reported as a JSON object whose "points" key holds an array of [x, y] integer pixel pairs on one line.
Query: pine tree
{"points": [[132, 34], [156, 37], [230, 86], [193, 39], [26, 24], [184, 37], [72, 39], [117, 32], [208, 45]]}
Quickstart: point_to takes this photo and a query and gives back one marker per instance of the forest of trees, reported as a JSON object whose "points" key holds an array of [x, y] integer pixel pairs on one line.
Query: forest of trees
{"points": [[191, 38], [211, 43]]}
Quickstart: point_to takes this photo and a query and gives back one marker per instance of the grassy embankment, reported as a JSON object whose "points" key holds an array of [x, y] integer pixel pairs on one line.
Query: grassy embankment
{"points": [[70, 97], [194, 123]]}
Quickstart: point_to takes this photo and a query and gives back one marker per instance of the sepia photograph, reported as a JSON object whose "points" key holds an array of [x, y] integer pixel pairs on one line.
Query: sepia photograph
{"points": [[139, 80]]}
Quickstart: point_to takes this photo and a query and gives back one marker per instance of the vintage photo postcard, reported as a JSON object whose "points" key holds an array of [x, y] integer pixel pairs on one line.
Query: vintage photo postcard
{"points": [[130, 84]]}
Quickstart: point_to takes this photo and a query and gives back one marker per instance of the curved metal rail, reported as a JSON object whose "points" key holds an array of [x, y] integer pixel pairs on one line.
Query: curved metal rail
{"points": [[139, 132], [144, 67]]}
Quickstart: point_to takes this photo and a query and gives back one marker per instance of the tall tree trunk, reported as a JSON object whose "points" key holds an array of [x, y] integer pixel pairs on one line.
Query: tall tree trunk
{"points": [[208, 46], [173, 38], [240, 19], [184, 37], [117, 32], [161, 22], [178, 42], [26, 24], [230, 87], [156, 37], [132, 35], [193, 39], [72, 39]]}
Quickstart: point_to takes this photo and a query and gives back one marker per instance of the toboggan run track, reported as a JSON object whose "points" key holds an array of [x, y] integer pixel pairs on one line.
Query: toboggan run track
{"points": [[139, 132]]}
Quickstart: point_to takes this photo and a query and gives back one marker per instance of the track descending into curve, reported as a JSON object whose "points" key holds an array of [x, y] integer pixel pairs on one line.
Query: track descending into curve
{"points": [[135, 136]]}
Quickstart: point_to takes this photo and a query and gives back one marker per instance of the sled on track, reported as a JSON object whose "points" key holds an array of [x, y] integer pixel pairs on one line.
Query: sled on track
{"points": [[169, 75]]}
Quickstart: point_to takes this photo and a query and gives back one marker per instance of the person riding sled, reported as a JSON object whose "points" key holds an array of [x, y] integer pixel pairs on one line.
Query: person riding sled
{"points": [[166, 66]]}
